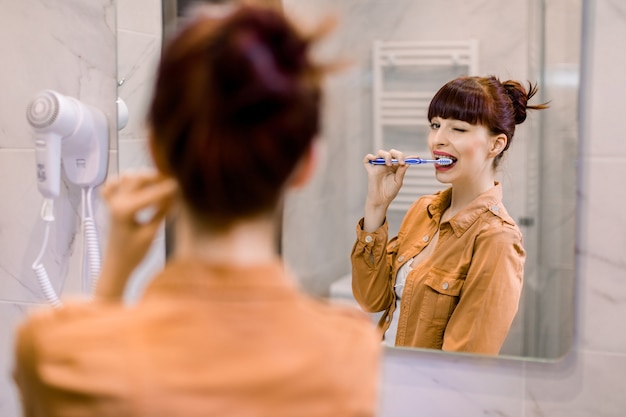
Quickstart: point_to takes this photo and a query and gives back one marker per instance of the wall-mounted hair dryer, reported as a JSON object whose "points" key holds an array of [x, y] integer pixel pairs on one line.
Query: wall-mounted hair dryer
{"points": [[74, 135], [69, 131]]}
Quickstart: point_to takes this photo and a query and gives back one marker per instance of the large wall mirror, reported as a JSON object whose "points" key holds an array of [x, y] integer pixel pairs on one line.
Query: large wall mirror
{"points": [[534, 40]]}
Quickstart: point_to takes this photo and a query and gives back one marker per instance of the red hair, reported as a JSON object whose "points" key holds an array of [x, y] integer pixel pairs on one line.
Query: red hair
{"points": [[486, 101], [235, 107]]}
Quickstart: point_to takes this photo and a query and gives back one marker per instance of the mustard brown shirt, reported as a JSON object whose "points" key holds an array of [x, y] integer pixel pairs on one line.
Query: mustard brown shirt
{"points": [[205, 340], [465, 294]]}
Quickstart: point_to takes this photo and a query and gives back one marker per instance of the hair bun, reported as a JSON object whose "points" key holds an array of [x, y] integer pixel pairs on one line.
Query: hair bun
{"points": [[236, 106], [519, 98], [259, 67]]}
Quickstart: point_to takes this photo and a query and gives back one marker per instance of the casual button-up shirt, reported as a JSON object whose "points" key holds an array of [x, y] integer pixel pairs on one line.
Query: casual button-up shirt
{"points": [[205, 340], [465, 294]]}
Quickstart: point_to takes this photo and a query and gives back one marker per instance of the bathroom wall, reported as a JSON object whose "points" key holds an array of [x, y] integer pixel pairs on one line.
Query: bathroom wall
{"points": [[68, 47], [587, 383]]}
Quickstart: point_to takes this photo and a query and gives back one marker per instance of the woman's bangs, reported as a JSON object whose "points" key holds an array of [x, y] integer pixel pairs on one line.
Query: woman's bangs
{"points": [[455, 102]]}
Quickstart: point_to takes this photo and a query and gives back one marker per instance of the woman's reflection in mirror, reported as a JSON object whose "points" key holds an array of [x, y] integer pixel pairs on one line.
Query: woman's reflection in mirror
{"points": [[452, 277]]}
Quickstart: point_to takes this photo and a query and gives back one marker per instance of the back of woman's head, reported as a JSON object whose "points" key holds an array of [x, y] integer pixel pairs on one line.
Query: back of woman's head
{"points": [[487, 101], [235, 107]]}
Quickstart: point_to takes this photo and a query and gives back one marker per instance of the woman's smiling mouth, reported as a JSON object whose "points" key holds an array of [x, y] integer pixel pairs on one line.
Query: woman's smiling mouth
{"points": [[444, 167]]}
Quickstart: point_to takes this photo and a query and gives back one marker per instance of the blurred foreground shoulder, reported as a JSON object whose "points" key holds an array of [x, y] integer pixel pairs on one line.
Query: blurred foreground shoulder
{"points": [[61, 331], [55, 348]]}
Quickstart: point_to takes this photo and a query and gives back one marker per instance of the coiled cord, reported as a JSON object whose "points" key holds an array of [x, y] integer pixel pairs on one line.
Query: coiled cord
{"points": [[90, 243], [40, 271], [93, 250]]}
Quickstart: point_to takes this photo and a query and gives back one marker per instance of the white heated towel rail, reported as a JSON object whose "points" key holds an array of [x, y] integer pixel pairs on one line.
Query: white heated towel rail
{"points": [[407, 108]]}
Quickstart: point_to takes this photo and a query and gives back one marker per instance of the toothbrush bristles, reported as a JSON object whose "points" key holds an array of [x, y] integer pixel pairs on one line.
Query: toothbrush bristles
{"points": [[444, 161]]}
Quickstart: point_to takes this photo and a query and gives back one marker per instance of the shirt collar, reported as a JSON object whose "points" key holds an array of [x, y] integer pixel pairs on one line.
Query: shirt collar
{"points": [[490, 200]]}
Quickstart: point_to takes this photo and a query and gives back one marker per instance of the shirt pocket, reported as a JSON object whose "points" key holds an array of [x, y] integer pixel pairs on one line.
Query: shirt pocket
{"points": [[441, 296]]}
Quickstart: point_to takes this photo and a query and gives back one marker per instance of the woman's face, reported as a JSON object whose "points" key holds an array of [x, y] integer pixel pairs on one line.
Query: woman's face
{"points": [[471, 147]]}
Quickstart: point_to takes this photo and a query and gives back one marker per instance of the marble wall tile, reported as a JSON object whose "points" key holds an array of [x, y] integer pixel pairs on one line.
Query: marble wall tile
{"points": [[143, 16], [41, 50], [603, 290], [585, 384], [138, 56], [439, 384]]}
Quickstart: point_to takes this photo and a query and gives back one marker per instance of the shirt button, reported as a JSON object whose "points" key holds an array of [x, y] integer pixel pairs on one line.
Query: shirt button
{"points": [[445, 285], [495, 208], [400, 258], [368, 238], [425, 238]]}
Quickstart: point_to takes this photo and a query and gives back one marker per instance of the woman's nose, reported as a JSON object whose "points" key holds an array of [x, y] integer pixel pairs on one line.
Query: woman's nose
{"points": [[437, 138]]}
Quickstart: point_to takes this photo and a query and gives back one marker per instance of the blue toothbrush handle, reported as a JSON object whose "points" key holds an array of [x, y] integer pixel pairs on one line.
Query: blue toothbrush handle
{"points": [[410, 161]]}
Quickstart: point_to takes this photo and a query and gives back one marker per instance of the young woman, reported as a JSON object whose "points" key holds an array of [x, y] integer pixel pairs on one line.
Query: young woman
{"points": [[452, 277], [223, 330]]}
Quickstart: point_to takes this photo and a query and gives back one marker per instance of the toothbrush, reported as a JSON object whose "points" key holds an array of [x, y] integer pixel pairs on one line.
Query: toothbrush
{"points": [[414, 161]]}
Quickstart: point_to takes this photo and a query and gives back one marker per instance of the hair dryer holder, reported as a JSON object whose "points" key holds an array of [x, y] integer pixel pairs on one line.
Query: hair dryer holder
{"points": [[85, 152]]}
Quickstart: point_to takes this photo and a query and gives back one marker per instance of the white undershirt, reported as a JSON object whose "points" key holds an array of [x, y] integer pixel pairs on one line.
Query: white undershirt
{"points": [[403, 272]]}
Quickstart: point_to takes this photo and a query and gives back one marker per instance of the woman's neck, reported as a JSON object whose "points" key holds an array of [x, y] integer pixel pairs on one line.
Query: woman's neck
{"points": [[464, 194], [247, 242]]}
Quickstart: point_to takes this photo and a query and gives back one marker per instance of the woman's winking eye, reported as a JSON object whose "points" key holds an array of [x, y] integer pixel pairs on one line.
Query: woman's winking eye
{"points": [[455, 126]]}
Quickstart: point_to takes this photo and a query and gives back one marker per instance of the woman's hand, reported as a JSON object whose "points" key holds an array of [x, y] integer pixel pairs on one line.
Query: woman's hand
{"points": [[138, 204], [384, 182]]}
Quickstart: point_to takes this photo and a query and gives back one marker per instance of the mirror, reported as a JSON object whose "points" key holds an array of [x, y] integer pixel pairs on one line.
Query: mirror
{"points": [[536, 40]]}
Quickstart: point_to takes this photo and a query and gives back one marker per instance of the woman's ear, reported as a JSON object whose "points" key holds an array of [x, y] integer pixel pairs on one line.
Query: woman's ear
{"points": [[498, 145], [306, 167]]}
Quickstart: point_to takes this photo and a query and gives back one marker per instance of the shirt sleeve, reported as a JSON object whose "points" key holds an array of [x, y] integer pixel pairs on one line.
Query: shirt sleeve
{"points": [[66, 363], [371, 268], [490, 296]]}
